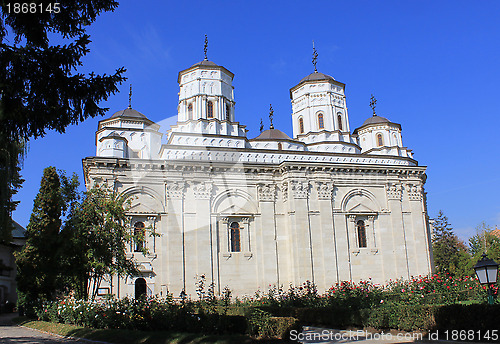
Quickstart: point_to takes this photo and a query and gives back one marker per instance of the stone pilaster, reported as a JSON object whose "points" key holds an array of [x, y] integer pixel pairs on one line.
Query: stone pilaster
{"points": [[266, 192], [322, 234], [202, 191], [414, 192], [394, 192], [173, 240], [300, 189], [324, 190], [175, 189]]}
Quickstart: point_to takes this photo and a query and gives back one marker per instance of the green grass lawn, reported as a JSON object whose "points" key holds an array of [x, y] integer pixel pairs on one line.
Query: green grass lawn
{"points": [[136, 337]]}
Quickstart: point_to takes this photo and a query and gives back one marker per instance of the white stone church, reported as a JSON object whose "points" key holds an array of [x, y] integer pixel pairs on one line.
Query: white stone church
{"points": [[326, 206]]}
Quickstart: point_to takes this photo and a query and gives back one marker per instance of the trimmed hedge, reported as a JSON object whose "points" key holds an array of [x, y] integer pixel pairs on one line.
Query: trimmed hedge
{"points": [[398, 316]]}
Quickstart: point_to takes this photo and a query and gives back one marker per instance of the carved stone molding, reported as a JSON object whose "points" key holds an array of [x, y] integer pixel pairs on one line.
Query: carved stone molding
{"points": [[324, 190], [245, 220], [225, 220], [394, 191], [175, 190], [284, 191], [300, 189], [414, 192], [202, 190], [352, 218], [371, 217], [110, 184], [266, 192]]}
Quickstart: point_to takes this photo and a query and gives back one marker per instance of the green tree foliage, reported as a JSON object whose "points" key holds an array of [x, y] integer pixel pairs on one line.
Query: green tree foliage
{"points": [[484, 242], [37, 262], [97, 237], [11, 154], [40, 85], [450, 253]]}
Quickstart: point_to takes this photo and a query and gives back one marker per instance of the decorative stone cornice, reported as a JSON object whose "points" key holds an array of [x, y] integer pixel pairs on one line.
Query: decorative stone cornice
{"points": [[394, 191], [414, 192], [266, 192], [225, 220], [202, 190], [300, 189], [324, 190], [245, 220], [175, 190], [352, 218]]}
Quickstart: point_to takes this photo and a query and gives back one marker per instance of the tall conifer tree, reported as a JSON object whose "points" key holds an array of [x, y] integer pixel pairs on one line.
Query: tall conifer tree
{"points": [[37, 262]]}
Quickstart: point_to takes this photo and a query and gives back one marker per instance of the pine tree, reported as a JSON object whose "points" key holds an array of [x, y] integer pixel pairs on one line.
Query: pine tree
{"points": [[41, 86], [450, 253], [37, 262]]}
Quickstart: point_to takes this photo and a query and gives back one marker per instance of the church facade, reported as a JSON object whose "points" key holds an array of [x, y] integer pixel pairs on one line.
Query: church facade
{"points": [[325, 206]]}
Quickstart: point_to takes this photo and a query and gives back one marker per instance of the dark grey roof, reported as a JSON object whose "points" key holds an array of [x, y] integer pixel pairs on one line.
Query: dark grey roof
{"points": [[129, 112], [205, 63], [316, 76], [18, 231], [272, 134], [375, 120]]}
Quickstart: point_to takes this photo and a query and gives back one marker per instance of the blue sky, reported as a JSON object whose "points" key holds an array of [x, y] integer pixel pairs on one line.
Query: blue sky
{"points": [[434, 67]]}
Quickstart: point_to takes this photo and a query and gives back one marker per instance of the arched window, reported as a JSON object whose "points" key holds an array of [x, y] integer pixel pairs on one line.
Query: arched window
{"points": [[141, 288], [339, 120], [139, 234], [235, 237], [321, 122], [380, 140], [190, 111], [228, 112], [301, 125], [210, 110], [361, 233], [280, 146]]}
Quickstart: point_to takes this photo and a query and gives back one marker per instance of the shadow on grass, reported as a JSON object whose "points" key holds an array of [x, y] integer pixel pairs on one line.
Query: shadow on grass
{"points": [[139, 337]]}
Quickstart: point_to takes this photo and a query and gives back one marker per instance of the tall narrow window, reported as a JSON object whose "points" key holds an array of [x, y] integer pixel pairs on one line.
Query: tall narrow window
{"points": [[361, 233], [139, 233], [280, 146], [301, 125], [321, 122], [380, 140], [190, 111], [235, 237], [228, 110], [339, 120], [210, 110]]}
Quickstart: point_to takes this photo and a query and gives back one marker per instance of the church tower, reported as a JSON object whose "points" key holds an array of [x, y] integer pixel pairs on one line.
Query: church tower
{"points": [[206, 108], [319, 113], [206, 92]]}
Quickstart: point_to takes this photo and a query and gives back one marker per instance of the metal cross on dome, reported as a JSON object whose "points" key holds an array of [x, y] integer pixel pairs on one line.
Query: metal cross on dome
{"points": [[130, 97], [205, 48], [373, 104], [315, 58], [271, 115], [261, 126]]}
